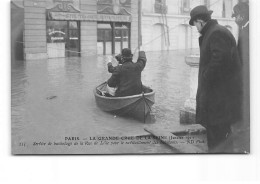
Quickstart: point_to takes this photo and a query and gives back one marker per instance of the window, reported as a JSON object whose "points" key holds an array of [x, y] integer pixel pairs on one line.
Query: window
{"points": [[243, 1], [112, 37], [160, 1], [104, 38], [227, 9], [224, 10], [160, 6], [65, 33], [56, 31], [104, 32], [185, 9], [121, 36]]}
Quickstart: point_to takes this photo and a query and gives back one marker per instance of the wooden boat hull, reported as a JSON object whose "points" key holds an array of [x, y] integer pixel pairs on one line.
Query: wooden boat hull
{"points": [[136, 106]]}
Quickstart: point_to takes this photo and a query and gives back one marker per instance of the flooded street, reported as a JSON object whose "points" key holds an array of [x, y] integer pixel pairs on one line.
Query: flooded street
{"points": [[53, 99]]}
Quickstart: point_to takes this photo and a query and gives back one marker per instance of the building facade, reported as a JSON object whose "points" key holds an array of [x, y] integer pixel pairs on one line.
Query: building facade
{"points": [[64, 28], [165, 23], [44, 29]]}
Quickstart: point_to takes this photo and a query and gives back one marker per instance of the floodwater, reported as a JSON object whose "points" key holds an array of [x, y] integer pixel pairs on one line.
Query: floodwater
{"points": [[53, 99]]}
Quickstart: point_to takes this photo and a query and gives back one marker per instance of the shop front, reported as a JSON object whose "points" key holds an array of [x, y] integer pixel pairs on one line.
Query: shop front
{"points": [[112, 37], [63, 33], [78, 28], [63, 38]]}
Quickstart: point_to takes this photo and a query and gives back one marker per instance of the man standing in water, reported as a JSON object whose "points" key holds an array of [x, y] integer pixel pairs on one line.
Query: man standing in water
{"points": [[127, 76], [241, 132], [219, 84], [241, 14]]}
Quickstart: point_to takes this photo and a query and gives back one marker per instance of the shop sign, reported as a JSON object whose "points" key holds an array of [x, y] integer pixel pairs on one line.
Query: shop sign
{"points": [[57, 38], [89, 17]]}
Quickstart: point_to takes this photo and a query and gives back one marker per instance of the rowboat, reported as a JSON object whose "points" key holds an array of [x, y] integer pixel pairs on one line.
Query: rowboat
{"points": [[135, 106]]}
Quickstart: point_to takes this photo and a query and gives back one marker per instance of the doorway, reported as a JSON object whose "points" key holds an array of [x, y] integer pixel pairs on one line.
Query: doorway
{"points": [[73, 39]]}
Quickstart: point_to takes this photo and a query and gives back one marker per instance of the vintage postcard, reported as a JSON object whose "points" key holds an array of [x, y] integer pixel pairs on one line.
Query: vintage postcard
{"points": [[130, 76]]}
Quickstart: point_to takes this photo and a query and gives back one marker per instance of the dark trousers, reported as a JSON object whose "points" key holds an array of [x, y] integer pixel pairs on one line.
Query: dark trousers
{"points": [[217, 135]]}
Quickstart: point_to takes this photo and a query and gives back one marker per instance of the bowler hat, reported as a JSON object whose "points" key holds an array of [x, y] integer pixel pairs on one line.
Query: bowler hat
{"points": [[198, 10], [126, 52], [241, 9]]}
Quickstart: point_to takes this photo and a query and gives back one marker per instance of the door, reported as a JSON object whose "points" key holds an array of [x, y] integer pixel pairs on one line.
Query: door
{"points": [[73, 39]]}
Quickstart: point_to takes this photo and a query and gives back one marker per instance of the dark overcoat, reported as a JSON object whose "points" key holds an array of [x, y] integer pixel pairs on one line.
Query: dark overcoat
{"points": [[243, 44], [243, 49], [127, 77], [219, 81]]}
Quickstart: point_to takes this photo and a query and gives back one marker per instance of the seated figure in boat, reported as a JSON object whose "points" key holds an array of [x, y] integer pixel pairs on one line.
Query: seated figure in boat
{"points": [[110, 91], [126, 77], [112, 68]]}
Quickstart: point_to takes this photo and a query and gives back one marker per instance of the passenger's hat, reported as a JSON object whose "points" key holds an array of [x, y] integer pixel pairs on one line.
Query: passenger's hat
{"points": [[126, 52], [241, 9], [197, 11]]}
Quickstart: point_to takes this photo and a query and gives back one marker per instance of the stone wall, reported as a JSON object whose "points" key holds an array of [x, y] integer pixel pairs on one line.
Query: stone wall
{"points": [[17, 28], [35, 29], [88, 29], [134, 25]]}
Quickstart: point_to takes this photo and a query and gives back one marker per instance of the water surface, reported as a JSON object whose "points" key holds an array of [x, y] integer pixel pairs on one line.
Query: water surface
{"points": [[52, 99]]}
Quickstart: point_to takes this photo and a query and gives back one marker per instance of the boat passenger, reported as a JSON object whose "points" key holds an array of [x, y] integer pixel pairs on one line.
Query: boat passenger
{"points": [[112, 68], [127, 76], [110, 91]]}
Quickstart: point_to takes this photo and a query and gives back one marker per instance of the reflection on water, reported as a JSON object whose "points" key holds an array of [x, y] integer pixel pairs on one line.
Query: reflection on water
{"points": [[54, 98]]}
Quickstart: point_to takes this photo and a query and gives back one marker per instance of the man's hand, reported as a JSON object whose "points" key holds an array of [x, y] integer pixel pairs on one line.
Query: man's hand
{"points": [[108, 60]]}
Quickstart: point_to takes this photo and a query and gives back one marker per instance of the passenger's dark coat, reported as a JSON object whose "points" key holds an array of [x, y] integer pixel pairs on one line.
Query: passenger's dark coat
{"points": [[243, 44], [243, 49], [127, 77], [219, 81]]}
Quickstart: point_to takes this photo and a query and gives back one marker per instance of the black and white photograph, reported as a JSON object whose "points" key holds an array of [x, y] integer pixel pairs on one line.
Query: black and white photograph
{"points": [[130, 77]]}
